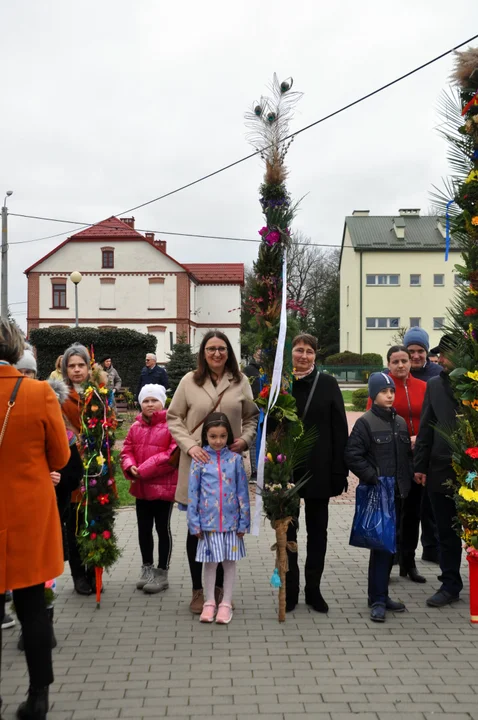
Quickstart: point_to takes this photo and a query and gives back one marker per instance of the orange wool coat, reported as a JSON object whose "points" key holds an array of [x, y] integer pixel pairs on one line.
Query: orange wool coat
{"points": [[35, 443]]}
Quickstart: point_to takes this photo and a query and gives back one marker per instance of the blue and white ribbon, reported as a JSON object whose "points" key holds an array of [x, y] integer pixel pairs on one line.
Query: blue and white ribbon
{"points": [[276, 384]]}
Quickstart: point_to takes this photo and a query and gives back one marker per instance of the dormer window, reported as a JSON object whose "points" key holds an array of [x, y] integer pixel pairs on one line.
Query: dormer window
{"points": [[107, 258]]}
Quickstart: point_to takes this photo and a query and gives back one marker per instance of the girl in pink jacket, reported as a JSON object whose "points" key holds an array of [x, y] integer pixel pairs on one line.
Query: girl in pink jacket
{"points": [[145, 461]]}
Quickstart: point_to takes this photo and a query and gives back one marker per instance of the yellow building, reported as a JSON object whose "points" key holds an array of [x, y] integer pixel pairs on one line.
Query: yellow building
{"points": [[393, 275]]}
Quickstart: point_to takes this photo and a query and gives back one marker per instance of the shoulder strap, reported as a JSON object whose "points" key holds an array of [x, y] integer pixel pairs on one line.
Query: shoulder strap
{"points": [[311, 395], [10, 405], [213, 410]]}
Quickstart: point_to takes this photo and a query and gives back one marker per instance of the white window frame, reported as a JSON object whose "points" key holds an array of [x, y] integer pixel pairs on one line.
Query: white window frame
{"points": [[435, 284], [387, 282], [419, 322], [419, 283], [387, 326], [438, 323]]}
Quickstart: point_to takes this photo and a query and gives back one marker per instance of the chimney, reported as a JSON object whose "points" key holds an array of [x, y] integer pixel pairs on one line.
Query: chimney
{"points": [[149, 236], [399, 227], [161, 244], [128, 221], [441, 227], [409, 212], [361, 213]]}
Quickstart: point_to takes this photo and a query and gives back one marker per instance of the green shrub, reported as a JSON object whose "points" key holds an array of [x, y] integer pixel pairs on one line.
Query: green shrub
{"points": [[344, 358], [372, 359], [126, 348], [359, 399]]}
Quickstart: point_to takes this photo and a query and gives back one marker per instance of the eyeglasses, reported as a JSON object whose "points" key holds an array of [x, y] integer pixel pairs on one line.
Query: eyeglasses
{"points": [[212, 350]]}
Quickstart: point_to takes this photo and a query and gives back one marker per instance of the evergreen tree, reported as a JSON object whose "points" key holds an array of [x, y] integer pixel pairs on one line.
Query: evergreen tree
{"points": [[181, 361]]}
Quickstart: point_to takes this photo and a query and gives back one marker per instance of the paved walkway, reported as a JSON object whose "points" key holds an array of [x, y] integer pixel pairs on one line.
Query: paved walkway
{"points": [[147, 657]]}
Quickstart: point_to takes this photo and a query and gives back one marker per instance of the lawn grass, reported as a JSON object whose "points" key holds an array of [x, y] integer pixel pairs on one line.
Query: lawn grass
{"points": [[122, 484], [347, 396]]}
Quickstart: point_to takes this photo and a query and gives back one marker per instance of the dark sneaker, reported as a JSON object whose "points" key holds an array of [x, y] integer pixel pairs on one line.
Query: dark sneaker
{"points": [[391, 605], [82, 585], [442, 598], [316, 601], [377, 613], [8, 621]]}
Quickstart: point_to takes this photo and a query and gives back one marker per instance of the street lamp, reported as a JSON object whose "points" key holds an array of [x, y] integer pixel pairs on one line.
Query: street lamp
{"points": [[4, 272], [75, 278]]}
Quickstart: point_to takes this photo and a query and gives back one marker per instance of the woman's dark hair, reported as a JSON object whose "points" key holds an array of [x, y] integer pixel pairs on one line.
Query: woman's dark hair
{"points": [[397, 348], [202, 371], [216, 419], [307, 340]]}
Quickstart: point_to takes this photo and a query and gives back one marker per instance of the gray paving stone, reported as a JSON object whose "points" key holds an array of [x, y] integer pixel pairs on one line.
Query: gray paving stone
{"points": [[144, 657]]}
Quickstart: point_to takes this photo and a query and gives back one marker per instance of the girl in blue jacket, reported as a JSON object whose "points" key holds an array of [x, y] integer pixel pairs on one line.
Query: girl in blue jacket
{"points": [[218, 513]]}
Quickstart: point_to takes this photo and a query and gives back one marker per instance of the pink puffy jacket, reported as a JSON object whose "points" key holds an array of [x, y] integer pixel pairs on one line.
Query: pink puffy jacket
{"points": [[149, 446]]}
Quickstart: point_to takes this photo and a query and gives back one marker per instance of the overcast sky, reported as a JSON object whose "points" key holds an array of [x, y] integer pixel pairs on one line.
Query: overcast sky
{"points": [[107, 104]]}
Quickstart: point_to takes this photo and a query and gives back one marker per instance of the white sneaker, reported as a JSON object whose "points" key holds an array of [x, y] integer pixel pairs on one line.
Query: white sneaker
{"points": [[8, 621], [145, 577], [158, 582]]}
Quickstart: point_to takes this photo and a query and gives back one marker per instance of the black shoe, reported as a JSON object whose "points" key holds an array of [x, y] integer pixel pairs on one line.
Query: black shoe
{"points": [[391, 605], [82, 585], [291, 603], [442, 598], [430, 556], [377, 613], [316, 601], [413, 574], [36, 705]]}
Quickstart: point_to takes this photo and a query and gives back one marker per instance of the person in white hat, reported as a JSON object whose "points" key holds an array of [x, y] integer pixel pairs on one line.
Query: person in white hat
{"points": [[27, 364], [146, 462]]}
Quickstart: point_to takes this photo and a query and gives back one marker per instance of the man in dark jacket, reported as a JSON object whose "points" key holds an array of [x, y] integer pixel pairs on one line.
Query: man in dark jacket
{"points": [[152, 374], [380, 446], [433, 458], [325, 467]]}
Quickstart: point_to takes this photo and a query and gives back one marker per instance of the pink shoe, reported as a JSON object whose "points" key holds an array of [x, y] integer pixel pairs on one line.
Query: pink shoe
{"points": [[224, 614], [208, 612]]}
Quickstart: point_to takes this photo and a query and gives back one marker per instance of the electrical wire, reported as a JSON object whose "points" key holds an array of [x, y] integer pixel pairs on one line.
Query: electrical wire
{"points": [[289, 137]]}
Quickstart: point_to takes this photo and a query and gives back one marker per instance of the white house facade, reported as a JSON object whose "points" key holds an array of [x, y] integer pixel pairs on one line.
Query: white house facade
{"points": [[129, 281], [393, 275]]}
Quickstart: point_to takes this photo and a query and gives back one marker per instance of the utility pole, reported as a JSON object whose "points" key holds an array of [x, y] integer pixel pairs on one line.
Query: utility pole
{"points": [[4, 279]]}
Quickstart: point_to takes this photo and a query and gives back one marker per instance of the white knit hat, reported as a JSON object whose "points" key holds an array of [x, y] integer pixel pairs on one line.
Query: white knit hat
{"points": [[156, 391], [27, 362]]}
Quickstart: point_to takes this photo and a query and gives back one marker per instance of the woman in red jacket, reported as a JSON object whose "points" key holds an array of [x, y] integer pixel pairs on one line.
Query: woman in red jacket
{"points": [[409, 396]]}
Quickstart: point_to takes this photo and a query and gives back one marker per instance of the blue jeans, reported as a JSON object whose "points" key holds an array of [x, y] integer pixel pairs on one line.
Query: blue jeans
{"points": [[379, 568]]}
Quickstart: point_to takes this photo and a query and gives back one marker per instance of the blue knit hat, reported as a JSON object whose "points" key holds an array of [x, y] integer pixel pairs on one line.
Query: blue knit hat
{"points": [[379, 381], [417, 336]]}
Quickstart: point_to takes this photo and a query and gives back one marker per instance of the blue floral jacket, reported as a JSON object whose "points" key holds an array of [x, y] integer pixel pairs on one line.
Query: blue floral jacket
{"points": [[218, 497]]}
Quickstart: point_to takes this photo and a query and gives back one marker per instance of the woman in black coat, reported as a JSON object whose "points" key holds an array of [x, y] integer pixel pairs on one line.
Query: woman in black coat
{"points": [[325, 466]]}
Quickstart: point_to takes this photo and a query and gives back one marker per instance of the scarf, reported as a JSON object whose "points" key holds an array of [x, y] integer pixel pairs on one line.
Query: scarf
{"points": [[298, 375]]}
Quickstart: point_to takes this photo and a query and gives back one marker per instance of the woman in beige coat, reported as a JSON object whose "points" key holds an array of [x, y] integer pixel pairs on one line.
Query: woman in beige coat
{"points": [[217, 384]]}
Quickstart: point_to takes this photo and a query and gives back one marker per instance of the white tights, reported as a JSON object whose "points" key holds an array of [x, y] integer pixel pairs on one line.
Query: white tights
{"points": [[210, 580]]}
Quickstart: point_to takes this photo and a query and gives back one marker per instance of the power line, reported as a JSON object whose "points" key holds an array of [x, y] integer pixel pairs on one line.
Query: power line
{"points": [[289, 137]]}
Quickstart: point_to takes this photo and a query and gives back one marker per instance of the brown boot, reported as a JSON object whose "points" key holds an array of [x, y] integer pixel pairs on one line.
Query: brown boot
{"points": [[196, 604]]}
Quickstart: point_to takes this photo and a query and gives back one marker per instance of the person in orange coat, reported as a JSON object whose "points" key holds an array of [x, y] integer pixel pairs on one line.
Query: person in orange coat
{"points": [[34, 444]]}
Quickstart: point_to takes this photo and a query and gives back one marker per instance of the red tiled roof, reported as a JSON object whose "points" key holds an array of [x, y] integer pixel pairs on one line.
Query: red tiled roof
{"points": [[217, 273], [112, 227]]}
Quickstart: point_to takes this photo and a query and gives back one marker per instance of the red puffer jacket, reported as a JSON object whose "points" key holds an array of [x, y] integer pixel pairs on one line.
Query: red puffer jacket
{"points": [[149, 446]]}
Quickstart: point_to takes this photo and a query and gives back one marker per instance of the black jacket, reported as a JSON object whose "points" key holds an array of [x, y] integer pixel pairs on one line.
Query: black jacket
{"points": [[379, 445], [71, 475], [253, 371], [326, 463], [426, 372], [152, 376], [432, 452]]}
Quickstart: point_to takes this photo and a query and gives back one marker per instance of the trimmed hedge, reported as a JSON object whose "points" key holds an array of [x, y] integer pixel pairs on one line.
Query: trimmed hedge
{"points": [[372, 359], [126, 348], [359, 399], [351, 358]]}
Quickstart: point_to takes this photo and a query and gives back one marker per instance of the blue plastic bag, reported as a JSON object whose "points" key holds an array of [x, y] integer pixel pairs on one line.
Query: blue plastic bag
{"points": [[374, 523]]}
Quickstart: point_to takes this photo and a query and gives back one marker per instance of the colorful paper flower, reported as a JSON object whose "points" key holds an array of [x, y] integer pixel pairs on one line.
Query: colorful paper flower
{"points": [[470, 311], [264, 393], [272, 238], [93, 536], [468, 494], [104, 499], [472, 452], [474, 220], [106, 534], [281, 458], [470, 478]]}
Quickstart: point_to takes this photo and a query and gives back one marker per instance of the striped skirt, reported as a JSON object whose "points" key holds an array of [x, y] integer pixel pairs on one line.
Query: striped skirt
{"points": [[216, 547]]}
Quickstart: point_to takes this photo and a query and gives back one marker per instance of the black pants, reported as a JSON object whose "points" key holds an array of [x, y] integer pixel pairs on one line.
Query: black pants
{"points": [[158, 513], [449, 543], [316, 522], [76, 566], [417, 509], [31, 611], [195, 568]]}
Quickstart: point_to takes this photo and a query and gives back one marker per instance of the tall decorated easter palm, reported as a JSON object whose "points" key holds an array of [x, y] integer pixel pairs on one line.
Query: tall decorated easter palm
{"points": [[283, 444]]}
